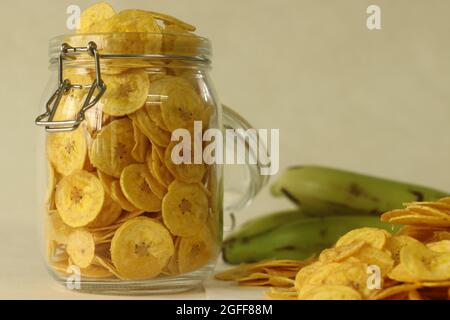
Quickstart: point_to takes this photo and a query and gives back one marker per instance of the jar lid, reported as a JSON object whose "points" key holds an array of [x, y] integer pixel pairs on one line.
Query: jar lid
{"points": [[130, 45]]}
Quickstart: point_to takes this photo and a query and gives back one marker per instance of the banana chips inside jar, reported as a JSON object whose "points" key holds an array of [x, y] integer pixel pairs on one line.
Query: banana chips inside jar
{"points": [[117, 205]]}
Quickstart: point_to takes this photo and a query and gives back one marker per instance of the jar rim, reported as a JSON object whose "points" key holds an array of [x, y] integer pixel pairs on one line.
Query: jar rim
{"points": [[138, 44]]}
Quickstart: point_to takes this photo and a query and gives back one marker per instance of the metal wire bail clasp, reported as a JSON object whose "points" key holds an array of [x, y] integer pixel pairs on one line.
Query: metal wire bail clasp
{"points": [[64, 86]]}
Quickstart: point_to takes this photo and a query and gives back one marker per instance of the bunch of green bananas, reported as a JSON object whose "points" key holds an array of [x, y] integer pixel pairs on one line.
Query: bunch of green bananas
{"points": [[330, 203]]}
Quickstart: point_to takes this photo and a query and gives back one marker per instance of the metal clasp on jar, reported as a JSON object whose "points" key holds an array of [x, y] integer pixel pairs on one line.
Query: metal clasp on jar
{"points": [[96, 90]]}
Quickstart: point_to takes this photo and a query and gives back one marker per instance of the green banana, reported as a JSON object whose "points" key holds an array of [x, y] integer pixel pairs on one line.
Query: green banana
{"points": [[321, 191], [289, 235]]}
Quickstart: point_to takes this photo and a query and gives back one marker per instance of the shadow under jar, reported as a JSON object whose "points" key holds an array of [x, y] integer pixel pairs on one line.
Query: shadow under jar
{"points": [[121, 213]]}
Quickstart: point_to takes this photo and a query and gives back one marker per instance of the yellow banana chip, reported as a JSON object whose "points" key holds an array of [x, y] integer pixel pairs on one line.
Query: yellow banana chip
{"points": [[159, 169], [131, 21], [172, 21], [153, 109], [136, 189], [111, 210], [119, 197], [184, 209], [94, 271], [81, 248], [440, 246], [372, 236], [340, 253], [106, 181], [389, 292], [51, 185], [401, 274], [395, 244], [150, 128], [157, 188], [141, 248], [425, 264], [189, 173], [79, 198], [141, 144], [56, 229], [331, 292], [376, 257], [92, 19], [126, 92], [180, 104], [111, 149], [66, 151], [195, 252], [348, 273]]}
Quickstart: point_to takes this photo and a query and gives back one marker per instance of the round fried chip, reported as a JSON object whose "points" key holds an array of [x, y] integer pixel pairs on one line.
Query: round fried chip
{"points": [[158, 169], [81, 248], [331, 292], [400, 274], [184, 209], [110, 212], [141, 145], [189, 173], [92, 19], [195, 252], [133, 182], [372, 236], [351, 273], [180, 104], [141, 248], [440, 246], [119, 197], [395, 244], [169, 20], [425, 264], [79, 198], [340, 253], [106, 181], [157, 188], [111, 149], [153, 109], [150, 128], [126, 92], [375, 257], [131, 21], [66, 151], [56, 229], [51, 185]]}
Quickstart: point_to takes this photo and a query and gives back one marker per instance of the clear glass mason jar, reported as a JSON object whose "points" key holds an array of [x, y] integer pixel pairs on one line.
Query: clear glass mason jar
{"points": [[119, 213]]}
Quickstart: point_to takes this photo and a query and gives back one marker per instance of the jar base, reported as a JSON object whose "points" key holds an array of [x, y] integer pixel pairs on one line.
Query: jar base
{"points": [[163, 285]]}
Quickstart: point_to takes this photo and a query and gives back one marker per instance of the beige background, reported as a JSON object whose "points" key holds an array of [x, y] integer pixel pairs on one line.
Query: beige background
{"points": [[371, 101]]}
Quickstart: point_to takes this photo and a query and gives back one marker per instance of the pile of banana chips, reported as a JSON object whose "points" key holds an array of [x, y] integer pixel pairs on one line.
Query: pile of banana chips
{"points": [[367, 263], [117, 205]]}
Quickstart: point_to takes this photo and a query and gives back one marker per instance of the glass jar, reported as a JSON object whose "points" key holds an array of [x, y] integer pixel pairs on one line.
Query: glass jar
{"points": [[127, 208]]}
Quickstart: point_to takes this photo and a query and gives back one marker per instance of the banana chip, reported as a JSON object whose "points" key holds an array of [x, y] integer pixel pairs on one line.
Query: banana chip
{"points": [[372, 256], [81, 248], [119, 197], [51, 185], [141, 248], [157, 188], [150, 128], [126, 92], [342, 252], [184, 209], [111, 149], [133, 182], [180, 104], [159, 169], [425, 264], [395, 244], [92, 19], [153, 109], [79, 198], [372, 236], [131, 21], [189, 173], [194, 252], [56, 229], [332, 292], [172, 21], [66, 151], [440, 246], [106, 181], [111, 210], [141, 145]]}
